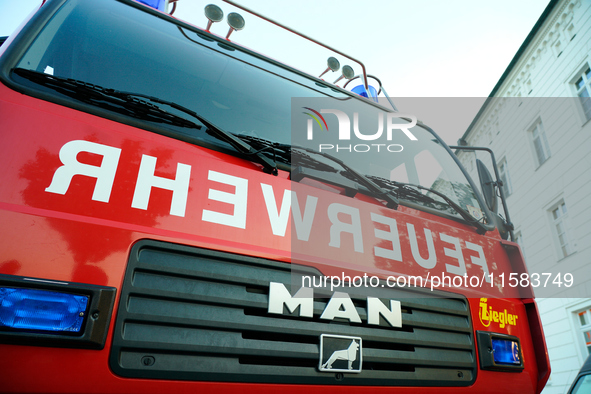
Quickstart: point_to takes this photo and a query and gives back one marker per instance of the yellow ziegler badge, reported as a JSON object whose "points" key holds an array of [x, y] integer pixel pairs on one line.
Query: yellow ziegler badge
{"points": [[488, 315]]}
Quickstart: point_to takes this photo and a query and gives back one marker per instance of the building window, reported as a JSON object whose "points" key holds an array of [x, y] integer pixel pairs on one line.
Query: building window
{"points": [[585, 328], [560, 228], [558, 47], [583, 86], [504, 175], [540, 143]]}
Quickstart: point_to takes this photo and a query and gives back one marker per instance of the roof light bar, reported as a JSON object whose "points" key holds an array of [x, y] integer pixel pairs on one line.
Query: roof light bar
{"points": [[364, 73], [160, 5], [360, 90]]}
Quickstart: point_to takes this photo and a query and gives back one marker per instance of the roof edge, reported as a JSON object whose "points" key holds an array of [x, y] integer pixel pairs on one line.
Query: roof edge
{"points": [[549, 8]]}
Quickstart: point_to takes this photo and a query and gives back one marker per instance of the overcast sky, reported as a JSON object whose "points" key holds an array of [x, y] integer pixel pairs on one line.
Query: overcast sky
{"points": [[421, 48]]}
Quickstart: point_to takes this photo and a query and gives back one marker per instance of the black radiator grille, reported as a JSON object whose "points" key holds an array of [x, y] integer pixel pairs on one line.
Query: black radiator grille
{"points": [[195, 314]]}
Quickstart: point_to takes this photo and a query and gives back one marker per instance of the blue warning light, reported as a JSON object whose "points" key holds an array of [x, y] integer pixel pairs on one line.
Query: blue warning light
{"points": [[158, 4], [31, 309], [360, 90], [506, 351]]}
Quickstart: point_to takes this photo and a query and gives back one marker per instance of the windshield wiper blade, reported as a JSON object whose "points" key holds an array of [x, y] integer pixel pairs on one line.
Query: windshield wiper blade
{"points": [[103, 97], [299, 159], [351, 174], [129, 103], [283, 153], [481, 228], [279, 152], [411, 194]]}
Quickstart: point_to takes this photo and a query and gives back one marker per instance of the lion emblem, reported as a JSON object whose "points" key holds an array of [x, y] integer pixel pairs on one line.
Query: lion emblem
{"points": [[349, 354]]}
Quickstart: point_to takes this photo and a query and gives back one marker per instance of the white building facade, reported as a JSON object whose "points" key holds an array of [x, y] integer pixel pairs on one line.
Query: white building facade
{"points": [[538, 123]]}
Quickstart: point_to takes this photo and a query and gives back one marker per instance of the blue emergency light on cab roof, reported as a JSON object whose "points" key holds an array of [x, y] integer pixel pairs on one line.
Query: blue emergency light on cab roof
{"points": [[360, 90], [506, 351], [32, 309], [158, 4]]}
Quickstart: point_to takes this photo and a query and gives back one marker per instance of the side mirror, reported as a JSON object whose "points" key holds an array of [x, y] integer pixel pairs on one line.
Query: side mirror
{"points": [[487, 184]]}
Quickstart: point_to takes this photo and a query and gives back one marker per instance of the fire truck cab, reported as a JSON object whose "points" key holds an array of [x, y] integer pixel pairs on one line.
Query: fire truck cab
{"points": [[179, 213]]}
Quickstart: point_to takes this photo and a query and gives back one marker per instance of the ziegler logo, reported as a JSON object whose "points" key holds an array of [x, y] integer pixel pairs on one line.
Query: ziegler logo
{"points": [[488, 315], [340, 305]]}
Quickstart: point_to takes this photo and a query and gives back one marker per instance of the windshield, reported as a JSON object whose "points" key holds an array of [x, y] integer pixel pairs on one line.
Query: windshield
{"points": [[388, 147], [120, 45], [113, 45]]}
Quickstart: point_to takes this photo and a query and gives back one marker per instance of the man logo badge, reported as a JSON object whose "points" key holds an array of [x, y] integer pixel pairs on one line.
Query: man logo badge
{"points": [[340, 353]]}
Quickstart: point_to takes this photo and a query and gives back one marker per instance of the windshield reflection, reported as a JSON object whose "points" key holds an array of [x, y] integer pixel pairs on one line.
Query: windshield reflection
{"points": [[122, 47]]}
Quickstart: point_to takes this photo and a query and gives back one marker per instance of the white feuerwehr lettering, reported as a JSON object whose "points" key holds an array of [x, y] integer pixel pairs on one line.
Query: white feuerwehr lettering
{"points": [[303, 223], [147, 179], [455, 253], [238, 199], [343, 218], [339, 227], [278, 217], [431, 260], [104, 174], [480, 259], [391, 235]]}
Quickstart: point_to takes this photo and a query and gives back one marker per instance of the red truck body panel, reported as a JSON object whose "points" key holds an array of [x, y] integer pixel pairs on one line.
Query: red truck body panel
{"points": [[61, 225]]}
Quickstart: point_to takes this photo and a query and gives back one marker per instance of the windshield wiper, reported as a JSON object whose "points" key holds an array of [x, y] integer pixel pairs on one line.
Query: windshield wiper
{"points": [[119, 102], [283, 153], [130, 103], [350, 173], [378, 186], [305, 166], [399, 186]]}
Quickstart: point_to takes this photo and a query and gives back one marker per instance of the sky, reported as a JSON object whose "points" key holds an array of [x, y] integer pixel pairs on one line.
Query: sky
{"points": [[420, 48]]}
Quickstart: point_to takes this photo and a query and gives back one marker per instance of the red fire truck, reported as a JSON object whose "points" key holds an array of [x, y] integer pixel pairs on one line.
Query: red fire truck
{"points": [[179, 213]]}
